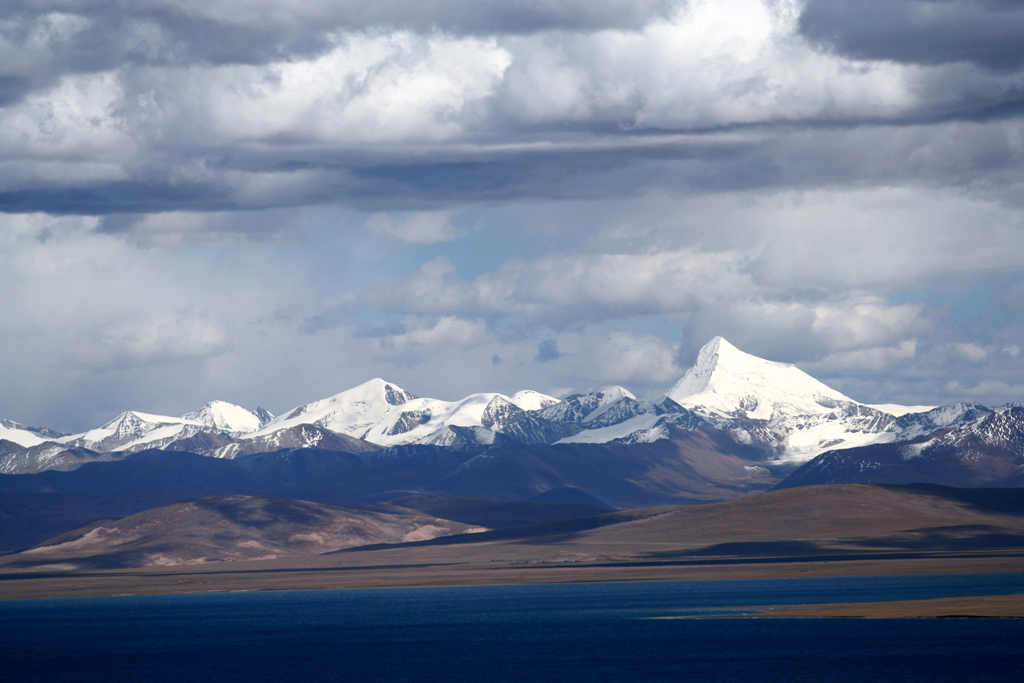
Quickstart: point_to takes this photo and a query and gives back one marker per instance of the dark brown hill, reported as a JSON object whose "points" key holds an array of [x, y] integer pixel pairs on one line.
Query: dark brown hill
{"points": [[228, 528], [811, 519], [27, 519]]}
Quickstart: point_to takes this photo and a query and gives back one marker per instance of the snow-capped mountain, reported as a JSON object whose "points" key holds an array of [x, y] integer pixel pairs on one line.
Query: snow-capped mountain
{"points": [[214, 425], [730, 383], [780, 406], [352, 412], [775, 406], [132, 430]]}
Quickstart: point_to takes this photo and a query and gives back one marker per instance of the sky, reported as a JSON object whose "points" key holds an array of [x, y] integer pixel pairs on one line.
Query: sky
{"points": [[271, 201]]}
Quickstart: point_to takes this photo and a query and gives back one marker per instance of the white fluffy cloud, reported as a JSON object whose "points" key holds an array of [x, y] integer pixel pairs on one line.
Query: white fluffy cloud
{"points": [[709, 64]]}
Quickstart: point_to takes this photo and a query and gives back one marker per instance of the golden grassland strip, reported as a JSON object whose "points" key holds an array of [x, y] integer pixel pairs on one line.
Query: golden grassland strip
{"points": [[1007, 606], [386, 568]]}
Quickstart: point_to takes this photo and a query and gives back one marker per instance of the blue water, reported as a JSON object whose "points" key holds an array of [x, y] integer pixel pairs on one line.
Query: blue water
{"points": [[551, 633]]}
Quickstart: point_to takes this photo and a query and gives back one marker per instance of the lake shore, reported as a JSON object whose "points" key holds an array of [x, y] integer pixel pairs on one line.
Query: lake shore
{"points": [[979, 606], [434, 567]]}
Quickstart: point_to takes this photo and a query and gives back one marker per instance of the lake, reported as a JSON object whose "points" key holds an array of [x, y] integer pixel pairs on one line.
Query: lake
{"points": [[560, 632]]}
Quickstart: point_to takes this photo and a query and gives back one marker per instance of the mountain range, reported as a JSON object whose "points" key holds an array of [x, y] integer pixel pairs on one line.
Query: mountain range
{"points": [[732, 424]]}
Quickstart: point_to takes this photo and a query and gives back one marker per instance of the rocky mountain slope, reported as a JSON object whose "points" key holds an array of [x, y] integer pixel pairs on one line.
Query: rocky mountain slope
{"points": [[987, 451]]}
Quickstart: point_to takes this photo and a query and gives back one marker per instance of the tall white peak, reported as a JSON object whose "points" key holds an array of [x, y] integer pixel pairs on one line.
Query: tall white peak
{"points": [[351, 412], [727, 381], [225, 416]]}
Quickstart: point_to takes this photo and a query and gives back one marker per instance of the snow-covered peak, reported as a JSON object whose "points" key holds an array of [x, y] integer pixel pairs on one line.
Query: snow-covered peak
{"points": [[226, 417], [351, 412], [533, 400], [606, 398], [611, 394], [727, 382]]}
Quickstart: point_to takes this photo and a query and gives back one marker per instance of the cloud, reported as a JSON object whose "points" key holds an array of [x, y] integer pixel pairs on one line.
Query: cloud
{"points": [[985, 389], [711, 64], [645, 362], [986, 32], [865, 360], [566, 289], [125, 110], [421, 337], [157, 337], [422, 227], [547, 351], [176, 228]]}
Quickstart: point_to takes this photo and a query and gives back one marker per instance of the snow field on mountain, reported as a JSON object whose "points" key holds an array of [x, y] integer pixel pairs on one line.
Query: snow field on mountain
{"points": [[22, 437]]}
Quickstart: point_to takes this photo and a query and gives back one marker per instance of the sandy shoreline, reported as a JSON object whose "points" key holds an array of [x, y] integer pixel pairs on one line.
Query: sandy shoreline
{"points": [[980, 606]]}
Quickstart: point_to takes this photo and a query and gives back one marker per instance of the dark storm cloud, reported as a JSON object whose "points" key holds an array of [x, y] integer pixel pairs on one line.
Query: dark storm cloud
{"points": [[987, 32]]}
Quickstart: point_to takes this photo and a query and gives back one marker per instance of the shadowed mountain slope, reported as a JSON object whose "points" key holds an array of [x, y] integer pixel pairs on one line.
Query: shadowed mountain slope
{"points": [[696, 466], [489, 512]]}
